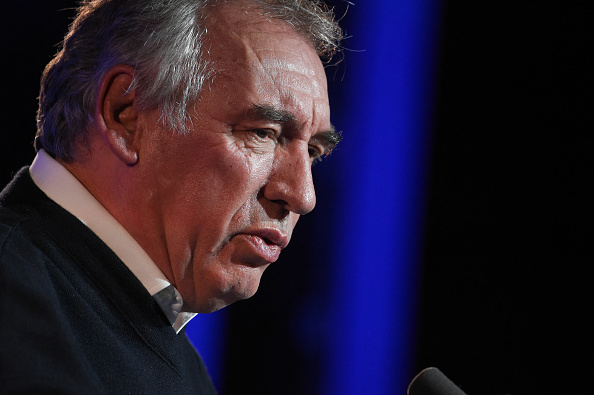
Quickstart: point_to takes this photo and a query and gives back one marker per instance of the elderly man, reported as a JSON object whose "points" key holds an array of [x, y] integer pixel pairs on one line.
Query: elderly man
{"points": [[175, 143]]}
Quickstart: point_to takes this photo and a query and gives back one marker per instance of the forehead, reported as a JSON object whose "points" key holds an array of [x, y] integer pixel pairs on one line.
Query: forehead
{"points": [[266, 59]]}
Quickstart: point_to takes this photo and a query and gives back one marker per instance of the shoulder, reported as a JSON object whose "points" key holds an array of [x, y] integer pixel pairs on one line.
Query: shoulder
{"points": [[29, 226], [25, 268], [22, 245], [39, 353], [18, 252], [34, 331], [20, 201]]}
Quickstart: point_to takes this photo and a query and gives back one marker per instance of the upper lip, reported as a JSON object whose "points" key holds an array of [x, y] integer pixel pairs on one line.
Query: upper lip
{"points": [[270, 236]]}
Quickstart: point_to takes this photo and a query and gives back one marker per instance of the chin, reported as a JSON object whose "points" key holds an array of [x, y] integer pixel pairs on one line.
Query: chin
{"points": [[224, 295], [218, 303], [240, 291]]}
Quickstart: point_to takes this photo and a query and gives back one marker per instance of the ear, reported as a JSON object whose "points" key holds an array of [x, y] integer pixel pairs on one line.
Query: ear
{"points": [[116, 115]]}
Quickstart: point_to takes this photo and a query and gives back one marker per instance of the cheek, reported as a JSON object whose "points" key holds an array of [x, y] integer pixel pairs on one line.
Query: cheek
{"points": [[243, 170], [224, 183], [213, 187]]}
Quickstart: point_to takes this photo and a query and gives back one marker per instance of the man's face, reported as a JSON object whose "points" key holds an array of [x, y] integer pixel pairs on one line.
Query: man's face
{"points": [[225, 198]]}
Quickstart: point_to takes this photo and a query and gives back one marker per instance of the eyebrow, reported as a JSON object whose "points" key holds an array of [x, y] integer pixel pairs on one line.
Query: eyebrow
{"points": [[328, 138], [271, 113]]}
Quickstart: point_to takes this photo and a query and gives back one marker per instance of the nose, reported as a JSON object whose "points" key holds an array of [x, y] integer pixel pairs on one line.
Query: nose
{"points": [[291, 182]]}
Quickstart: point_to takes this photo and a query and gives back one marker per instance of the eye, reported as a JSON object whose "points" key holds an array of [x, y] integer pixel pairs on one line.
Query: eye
{"points": [[264, 133], [315, 153]]}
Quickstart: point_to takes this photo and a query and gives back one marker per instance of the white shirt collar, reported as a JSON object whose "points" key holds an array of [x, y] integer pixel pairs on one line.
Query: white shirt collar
{"points": [[64, 189]]}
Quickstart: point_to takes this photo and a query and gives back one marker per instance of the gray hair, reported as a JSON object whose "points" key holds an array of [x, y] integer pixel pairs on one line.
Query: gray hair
{"points": [[162, 40]]}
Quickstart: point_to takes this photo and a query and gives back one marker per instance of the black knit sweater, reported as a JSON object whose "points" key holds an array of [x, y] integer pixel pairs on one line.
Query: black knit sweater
{"points": [[73, 318]]}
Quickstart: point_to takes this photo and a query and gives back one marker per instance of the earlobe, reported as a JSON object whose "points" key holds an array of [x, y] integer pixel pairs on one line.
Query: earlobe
{"points": [[116, 115]]}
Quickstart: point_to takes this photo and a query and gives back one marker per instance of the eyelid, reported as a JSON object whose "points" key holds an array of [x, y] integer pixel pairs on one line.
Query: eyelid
{"points": [[326, 142], [320, 153], [271, 132], [324, 150]]}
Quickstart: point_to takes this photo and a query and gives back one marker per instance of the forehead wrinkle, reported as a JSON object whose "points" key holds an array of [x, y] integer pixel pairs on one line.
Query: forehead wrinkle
{"points": [[290, 70], [276, 69], [274, 63], [296, 82], [252, 59], [281, 69]]}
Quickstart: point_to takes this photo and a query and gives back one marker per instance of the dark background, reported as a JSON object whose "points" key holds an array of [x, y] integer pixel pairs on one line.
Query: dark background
{"points": [[507, 297], [506, 289]]}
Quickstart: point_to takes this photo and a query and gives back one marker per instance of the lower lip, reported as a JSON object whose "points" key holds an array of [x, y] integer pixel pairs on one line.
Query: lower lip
{"points": [[268, 252]]}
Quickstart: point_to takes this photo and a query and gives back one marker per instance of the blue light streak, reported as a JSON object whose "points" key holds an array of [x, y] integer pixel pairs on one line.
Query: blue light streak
{"points": [[207, 332], [383, 158]]}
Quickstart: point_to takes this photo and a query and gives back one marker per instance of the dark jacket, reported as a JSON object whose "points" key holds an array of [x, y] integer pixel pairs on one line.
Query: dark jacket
{"points": [[73, 318]]}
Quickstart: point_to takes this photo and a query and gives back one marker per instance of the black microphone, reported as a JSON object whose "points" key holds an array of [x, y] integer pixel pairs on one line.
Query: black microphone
{"points": [[432, 382]]}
